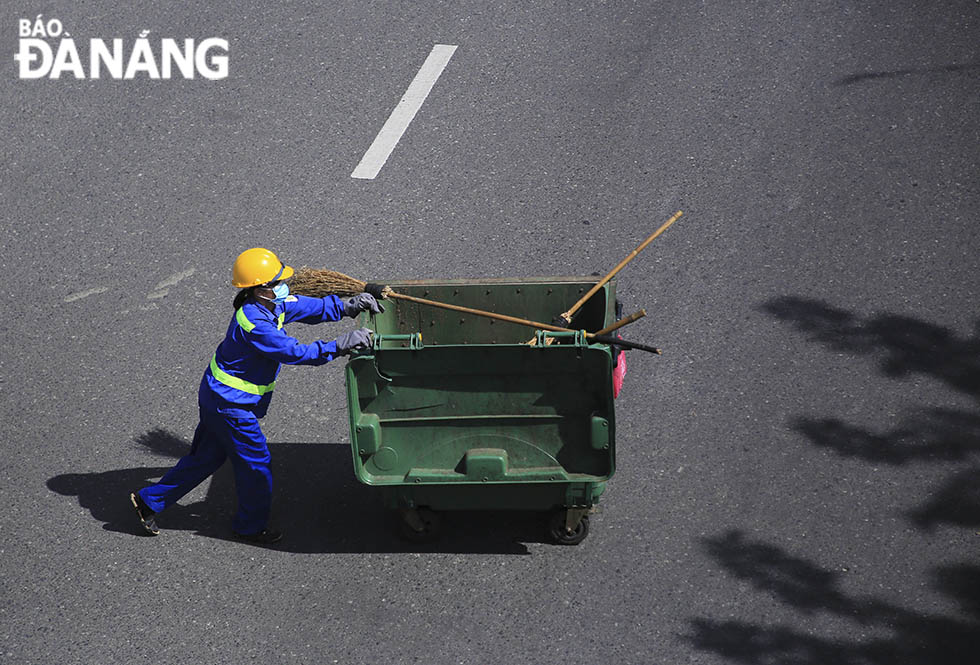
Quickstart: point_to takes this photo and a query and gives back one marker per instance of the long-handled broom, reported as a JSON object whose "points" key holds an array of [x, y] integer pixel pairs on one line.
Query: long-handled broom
{"points": [[319, 283]]}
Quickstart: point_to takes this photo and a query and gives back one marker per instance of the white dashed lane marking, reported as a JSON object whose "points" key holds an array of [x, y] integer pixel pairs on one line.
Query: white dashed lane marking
{"points": [[85, 294], [161, 289], [398, 121], [173, 280]]}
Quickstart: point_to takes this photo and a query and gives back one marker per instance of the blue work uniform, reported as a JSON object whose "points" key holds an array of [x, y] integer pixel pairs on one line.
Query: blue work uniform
{"points": [[235, 392]]}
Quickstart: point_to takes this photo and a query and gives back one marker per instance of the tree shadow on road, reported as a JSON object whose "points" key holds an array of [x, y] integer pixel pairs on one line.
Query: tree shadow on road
{"points": [[889, 633], [318, 503], [903, 346]]}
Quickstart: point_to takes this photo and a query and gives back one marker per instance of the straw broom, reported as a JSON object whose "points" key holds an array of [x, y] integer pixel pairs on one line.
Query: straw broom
{"points": [[320, 283]]}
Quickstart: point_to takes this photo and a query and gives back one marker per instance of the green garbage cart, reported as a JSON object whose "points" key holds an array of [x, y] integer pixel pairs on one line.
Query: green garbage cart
{"points": [[452, 411]]}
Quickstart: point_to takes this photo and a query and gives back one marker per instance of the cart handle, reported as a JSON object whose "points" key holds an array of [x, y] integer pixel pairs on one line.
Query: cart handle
{"points": [[578, 337], [414, 340]]}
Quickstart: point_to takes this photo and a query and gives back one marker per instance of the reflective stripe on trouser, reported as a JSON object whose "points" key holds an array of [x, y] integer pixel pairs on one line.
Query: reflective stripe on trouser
{"points": [[217, 438]]}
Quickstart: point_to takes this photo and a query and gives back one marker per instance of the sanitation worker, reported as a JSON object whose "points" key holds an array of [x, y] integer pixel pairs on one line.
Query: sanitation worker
{"points": [[237, 388]]}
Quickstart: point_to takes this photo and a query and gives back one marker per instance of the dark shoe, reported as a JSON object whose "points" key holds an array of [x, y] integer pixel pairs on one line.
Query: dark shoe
{"points": [[263, 537], [146, 515]]}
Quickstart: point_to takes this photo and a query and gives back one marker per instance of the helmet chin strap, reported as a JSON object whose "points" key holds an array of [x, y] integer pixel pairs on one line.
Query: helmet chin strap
{"points": [[282, 267]]}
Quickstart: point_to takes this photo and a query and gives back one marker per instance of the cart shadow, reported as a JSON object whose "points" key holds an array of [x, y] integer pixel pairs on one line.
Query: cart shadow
{"points": [[317, 503]]}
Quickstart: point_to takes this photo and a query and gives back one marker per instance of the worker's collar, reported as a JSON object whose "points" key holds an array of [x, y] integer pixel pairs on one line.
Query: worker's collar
{"points": [[261, 306]]}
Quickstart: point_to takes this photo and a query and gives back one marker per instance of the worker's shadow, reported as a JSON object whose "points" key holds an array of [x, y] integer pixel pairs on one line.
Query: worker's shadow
{"points": [[317, 502]]}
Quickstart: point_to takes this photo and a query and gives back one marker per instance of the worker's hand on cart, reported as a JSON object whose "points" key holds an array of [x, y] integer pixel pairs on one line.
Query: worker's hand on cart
{"points": [[362, 302], [355, 340]]}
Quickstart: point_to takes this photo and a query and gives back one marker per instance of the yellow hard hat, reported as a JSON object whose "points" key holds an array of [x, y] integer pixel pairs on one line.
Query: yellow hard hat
{"points": [[258, 266]]}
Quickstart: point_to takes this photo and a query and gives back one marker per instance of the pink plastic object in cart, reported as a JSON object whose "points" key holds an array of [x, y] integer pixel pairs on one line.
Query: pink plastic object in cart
{"points": [[619, 373]]}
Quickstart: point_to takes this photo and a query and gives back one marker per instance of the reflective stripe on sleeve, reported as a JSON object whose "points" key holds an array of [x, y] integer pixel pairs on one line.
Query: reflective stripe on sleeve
{"points": [[236, 383], [243, 321]]}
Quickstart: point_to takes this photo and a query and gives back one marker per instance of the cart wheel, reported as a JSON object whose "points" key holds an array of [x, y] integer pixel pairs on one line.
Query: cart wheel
{"points": [[420, 526], [561, 535]]}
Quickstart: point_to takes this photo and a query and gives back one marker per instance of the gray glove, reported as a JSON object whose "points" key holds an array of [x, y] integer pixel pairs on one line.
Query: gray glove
{"points": [[360, 303], [354, 340]]}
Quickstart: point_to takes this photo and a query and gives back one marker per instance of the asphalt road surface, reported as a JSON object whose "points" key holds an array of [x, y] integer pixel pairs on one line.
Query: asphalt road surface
{"points": [[797, 475]]}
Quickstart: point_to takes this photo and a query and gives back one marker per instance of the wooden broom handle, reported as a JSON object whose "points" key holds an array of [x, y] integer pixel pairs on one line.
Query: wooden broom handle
{"points": [[567, 316], [619, 324], [477, 312], [513, 319]]}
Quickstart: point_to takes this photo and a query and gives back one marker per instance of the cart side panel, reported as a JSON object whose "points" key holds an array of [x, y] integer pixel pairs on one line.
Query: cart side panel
{"points": [[481, 413]]}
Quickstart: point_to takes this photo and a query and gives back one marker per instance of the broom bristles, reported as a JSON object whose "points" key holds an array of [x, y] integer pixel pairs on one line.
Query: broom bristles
{"points": [[319, 283]]}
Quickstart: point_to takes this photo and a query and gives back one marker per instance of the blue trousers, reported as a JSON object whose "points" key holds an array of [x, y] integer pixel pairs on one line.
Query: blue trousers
{"points": [[219, 437]]}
